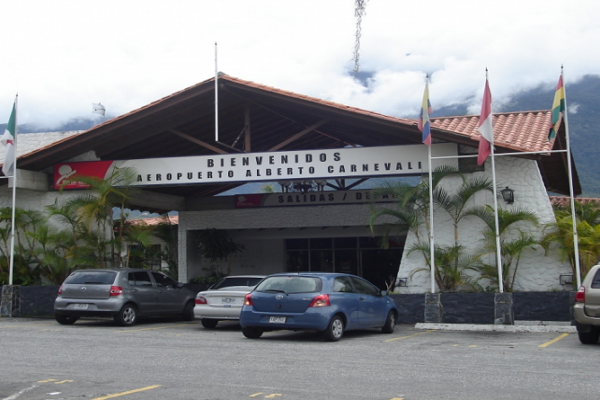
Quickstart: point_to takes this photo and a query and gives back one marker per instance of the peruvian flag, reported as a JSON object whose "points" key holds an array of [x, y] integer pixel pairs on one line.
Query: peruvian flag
{"points": [[485, 127]]}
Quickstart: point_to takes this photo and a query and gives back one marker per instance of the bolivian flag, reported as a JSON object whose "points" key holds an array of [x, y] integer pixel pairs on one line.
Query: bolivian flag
{"points": [[558, 107]]}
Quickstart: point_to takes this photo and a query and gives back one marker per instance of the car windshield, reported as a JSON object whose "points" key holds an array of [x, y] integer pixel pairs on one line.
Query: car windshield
{"points": [[237, 281], [290, 284], [91, 277]]}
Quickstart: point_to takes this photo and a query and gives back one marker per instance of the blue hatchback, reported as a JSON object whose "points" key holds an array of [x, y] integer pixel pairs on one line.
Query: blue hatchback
{"points": [[330, 303]]}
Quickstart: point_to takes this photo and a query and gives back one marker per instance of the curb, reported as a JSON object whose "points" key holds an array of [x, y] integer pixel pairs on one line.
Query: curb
{"points": [[557, 327]]}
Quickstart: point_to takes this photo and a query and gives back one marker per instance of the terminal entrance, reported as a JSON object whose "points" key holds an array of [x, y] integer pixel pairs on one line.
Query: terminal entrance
{"points": [[362, 256]]}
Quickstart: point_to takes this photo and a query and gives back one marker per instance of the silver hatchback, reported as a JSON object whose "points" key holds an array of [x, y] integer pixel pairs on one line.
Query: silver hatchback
{"points": [[123, 294]]}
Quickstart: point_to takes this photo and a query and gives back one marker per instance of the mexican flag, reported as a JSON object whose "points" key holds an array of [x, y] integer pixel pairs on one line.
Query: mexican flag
{"points": [[8, 140]]}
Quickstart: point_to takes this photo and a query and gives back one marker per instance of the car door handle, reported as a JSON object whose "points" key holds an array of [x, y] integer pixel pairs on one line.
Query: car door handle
{"points": [[361, 298], [134, 290]]}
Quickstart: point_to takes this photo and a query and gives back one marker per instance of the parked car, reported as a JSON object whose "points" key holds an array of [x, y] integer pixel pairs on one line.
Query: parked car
{"points": [[587, 307], [224, 299], [123, 294], [330, 303]]}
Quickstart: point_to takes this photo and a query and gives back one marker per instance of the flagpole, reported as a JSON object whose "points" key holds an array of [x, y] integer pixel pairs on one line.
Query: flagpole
{"points": [[573, 215], [216, 98], [14, 198], [431, 236], [497, 230]]}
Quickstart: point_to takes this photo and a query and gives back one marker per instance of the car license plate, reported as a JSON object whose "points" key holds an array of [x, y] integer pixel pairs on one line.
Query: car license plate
{"points": [[81, 306], [277, 320]]}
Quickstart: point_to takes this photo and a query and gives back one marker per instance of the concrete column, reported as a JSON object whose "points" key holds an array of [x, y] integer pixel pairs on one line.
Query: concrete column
{"points": [[434, 311], [10, 305], [503, 309]]}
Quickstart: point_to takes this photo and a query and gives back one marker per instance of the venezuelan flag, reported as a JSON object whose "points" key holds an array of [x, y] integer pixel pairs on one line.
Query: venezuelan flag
{"points": [[558, 106], [424, 121]]}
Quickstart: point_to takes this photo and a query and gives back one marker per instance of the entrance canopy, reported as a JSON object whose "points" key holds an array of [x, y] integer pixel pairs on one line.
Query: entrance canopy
{"points": [[258, 118]]}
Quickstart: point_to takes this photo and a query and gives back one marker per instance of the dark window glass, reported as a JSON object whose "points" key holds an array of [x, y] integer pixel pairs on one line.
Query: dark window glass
{"points": [[91, 278], [296, 244], [140, 278], [320, 243], [344, 243], [364, 287], [162, 280], [596, 281], [369, 242], [321, 260], [297, 261], [236, 281]]}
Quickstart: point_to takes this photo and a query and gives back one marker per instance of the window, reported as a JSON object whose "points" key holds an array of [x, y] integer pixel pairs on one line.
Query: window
{"points": [[342, 284], [466, 165], [91, 278], [364, 287], [596, 281], [140, 278], [162, 280], [290, 284]]}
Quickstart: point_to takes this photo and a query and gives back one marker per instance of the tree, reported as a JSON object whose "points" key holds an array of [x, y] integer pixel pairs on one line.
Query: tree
{"points": [[510, 249], [559, 236]]}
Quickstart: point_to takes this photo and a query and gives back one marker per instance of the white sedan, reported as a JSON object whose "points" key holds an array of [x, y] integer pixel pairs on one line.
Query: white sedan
{"points": [[224, 299]]}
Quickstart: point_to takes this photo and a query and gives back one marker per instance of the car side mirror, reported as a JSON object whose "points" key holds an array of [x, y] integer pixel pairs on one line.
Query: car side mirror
{"points": [[179, 285], [384, 293]]}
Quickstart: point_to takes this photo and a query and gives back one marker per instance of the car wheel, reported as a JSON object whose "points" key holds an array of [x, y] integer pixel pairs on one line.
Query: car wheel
{"points": [[127, 316], [65, 319], [209, 323], [188, 311], [589, 337], [335, 329], [390, 323], [252, 333]]}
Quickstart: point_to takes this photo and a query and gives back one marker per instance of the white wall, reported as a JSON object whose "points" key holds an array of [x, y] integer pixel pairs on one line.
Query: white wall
{"points": [[536, 272]]}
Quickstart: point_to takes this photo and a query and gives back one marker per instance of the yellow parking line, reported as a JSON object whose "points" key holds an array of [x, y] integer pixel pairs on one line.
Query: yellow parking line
{"points": [[110, 396], [23, 325], [564, 335], [409, 336], [151, 329]]}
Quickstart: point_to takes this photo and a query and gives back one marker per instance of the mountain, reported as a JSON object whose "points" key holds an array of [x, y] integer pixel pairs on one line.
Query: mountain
{"points": [[583, 99]]}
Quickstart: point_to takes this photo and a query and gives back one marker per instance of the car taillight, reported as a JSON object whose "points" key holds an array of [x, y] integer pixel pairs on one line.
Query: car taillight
{"points": [[248, 300], [60, 290], [580, 295], [200, 300], [321, 300], [116, 290]]}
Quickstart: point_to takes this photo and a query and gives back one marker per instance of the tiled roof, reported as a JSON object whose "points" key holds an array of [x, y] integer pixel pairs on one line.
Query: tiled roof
{"points": [[565, 201], [170, 219], [522, 131]]}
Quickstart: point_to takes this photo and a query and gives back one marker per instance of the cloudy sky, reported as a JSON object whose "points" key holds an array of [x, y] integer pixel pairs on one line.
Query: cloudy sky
{"points": [[61, 56]]}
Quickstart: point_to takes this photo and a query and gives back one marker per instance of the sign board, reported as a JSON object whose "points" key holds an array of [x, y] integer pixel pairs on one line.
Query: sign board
{"points": [[309, 199], [354, 162]]}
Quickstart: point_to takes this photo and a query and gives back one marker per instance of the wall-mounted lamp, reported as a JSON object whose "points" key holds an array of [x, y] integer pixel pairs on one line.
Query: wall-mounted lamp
{"points": [[508, 195]]}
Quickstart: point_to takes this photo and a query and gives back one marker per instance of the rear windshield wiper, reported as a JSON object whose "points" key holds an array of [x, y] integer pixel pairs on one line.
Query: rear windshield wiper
{"points": [[276, 291], [94, 283]]}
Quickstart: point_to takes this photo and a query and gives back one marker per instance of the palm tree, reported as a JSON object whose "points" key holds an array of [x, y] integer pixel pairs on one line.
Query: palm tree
{"points": [[510, 249], [559, 236], [94, 210]]}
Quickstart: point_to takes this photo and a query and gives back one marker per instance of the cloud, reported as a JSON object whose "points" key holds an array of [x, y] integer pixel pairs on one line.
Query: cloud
{"points": [[61, 56]]}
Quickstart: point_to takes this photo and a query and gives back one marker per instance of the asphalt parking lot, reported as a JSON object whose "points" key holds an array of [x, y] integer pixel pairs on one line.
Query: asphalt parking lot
{"points": [[172, 359]]}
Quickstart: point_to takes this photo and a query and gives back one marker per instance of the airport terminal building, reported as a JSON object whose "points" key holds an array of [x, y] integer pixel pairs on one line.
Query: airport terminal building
{"points": [[317, 155]]}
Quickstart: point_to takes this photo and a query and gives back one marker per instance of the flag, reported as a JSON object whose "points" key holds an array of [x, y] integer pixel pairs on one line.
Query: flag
{"points": [[98, 108], [485, 128], [424, 121], [558, 106], [8, 140]]}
